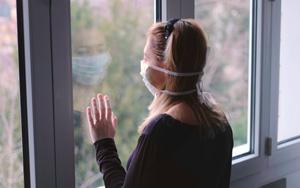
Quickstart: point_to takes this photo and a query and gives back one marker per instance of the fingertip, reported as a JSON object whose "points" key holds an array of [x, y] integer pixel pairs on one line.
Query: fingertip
{"points": [[99, 95]]}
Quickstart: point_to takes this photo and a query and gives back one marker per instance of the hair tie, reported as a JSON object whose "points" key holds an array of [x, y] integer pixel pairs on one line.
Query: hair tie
{"points": [[169, 27]]}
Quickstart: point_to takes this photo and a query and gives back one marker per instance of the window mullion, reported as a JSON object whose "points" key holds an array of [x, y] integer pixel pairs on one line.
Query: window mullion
{"points": [[47, 43], [62, 92], [37, 41]]}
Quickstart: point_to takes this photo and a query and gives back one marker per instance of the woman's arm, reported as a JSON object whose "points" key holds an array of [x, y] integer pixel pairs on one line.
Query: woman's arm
{"points": [[142, 170], [148, 168], [102, 126], [109, 163]]}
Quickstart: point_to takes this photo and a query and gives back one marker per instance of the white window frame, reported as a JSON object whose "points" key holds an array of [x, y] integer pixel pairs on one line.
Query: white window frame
{"points": [[283, 159], [291, 149], [49, 103]]}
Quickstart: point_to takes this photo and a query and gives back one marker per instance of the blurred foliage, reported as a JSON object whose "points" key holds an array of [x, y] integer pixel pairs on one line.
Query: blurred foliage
{"points": [[226, 74], [129, 97], [11, 171], [240, 129]]}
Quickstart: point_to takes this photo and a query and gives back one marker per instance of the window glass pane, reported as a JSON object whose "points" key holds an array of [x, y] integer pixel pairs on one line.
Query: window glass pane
{"points": [[11, 168], [288, 123], [108, 38], [227, 72]]}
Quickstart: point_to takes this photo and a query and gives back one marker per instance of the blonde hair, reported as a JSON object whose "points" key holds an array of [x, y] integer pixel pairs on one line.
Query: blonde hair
{"points": [[184, 51]]}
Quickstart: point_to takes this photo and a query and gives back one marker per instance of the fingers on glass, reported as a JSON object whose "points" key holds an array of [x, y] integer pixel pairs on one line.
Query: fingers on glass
{"points": [[101, 106], [95, 108], [89, 116], [108, 108], [114, 119], [105, 110]]}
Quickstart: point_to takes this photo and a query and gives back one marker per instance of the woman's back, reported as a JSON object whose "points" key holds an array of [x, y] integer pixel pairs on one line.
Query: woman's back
{"points": [[177, 157]]}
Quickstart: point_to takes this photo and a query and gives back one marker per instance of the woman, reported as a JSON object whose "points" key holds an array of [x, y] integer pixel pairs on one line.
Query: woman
{"points": [[186, 140]]}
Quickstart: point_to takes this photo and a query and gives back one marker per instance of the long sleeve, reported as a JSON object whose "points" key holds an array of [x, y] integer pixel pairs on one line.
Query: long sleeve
{"points": [[109, 163], [144, 169], [143, 166]]}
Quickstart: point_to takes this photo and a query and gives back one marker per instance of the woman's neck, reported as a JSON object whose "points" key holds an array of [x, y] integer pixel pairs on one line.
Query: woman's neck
{"points": [[182, 112]]}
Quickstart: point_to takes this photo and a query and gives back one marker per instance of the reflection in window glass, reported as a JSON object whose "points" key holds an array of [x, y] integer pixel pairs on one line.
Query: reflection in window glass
{"points": [[108, 38], [288, 123], [11, 170], [226, 74]]}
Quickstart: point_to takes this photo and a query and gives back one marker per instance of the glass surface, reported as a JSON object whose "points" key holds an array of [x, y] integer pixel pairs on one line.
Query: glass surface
{"points": [[11, 159], [108, 38], [289, 90], [226, 24]]}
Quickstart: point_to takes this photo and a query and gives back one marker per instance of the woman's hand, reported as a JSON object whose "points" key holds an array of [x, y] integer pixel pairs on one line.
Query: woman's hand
{"points": [[105, 122]]}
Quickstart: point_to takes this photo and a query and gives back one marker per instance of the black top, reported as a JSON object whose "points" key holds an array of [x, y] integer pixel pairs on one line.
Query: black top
{"points": [[169, 153]]}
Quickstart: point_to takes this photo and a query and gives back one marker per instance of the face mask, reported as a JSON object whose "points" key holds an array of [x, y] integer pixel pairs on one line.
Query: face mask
{"points": [[153, 90], [205, 97], [90, 70]]}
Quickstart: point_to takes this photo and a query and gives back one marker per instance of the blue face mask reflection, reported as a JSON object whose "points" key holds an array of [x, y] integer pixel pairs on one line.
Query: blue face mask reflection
{"points": [[90, 70]]}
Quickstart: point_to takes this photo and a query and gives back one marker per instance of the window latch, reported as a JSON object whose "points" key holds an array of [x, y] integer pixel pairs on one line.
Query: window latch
{"points": [[269, 146]]}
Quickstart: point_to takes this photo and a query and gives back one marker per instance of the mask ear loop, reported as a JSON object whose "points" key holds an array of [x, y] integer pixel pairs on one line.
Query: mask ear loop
{"points": [[200, 92], [199, 88], [205, 97]]}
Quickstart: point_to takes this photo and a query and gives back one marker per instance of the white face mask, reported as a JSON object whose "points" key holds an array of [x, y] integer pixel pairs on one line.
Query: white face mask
{"points": [[205, 97], [154, 90]]}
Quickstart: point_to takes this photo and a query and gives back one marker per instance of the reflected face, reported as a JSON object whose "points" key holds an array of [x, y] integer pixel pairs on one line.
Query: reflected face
{"points": [[156, 78], [88, 42], [89, 50], [90, 60]]}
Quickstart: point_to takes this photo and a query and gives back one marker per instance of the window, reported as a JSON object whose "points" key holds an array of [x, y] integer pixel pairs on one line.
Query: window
{"points": [[48, 62], [11, 171], [228, 72], [285, 144], [275, 159], [108, 38], [288, 126]]}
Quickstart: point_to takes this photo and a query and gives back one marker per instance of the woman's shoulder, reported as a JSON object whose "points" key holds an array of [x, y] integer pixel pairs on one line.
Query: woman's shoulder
{"points": [[165, 124], [157, 120]]}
